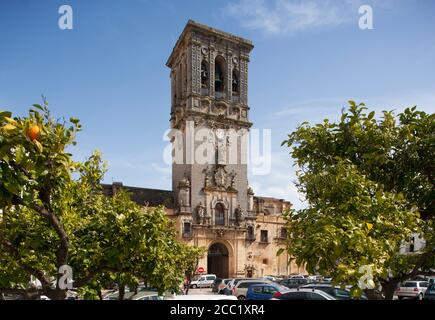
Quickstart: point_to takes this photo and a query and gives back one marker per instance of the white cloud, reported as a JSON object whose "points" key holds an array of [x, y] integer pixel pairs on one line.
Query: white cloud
{"points": [[289, 16], [279, 183], [316, 109]]}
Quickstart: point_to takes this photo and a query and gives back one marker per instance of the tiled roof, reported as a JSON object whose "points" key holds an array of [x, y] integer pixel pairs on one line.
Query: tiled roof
{"points": [[142, 196]]}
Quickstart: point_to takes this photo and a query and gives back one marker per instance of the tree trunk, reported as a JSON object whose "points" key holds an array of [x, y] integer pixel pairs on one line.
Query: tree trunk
{"points": [[372, 294], [100, 295], [121, 291], [57, 294], [388, 288]]}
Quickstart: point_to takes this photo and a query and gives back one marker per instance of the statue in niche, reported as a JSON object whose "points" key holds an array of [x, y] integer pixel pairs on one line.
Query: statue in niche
{"points": [[184, 193], [240, 215], [233, 179], [207, 180], [201, 214], [220, 177]]}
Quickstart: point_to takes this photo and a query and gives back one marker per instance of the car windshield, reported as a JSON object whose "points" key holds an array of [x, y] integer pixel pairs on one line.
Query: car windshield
{"points": [[195, 278], [281, 288], [410, 284]]}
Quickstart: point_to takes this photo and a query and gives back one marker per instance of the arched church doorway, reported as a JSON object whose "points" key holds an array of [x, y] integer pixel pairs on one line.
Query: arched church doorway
{"points": [[218, 260]]}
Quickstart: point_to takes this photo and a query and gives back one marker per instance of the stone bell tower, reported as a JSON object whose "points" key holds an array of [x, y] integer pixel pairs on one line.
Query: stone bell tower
{"points": [[209, 113]]}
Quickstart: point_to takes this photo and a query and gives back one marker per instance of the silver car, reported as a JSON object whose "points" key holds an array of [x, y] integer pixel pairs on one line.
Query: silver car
{"points": [[241, 288], [304, 294], [412, 289]]}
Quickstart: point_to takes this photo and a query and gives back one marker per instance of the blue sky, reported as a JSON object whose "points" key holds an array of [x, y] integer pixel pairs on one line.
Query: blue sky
{"points": [[310, 57]]}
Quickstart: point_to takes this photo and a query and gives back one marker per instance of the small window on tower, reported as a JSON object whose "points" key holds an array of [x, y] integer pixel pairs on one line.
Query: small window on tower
{"points": [[235, 82], [219, 214], [250, 233], [264, 237], [219, 75], [204, 74], [187, 229]]}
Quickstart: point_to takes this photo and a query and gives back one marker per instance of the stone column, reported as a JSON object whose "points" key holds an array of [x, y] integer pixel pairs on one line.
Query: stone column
{"points": [[229, 76], [244, 59], [212, 54]]}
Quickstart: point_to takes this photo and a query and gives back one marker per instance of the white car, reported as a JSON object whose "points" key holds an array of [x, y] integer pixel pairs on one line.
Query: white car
{"points": [[412, 289], [204, 281], [241, 288]]}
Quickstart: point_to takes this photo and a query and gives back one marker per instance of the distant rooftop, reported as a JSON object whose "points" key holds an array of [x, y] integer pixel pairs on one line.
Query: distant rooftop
{"points": [[143, 196]]}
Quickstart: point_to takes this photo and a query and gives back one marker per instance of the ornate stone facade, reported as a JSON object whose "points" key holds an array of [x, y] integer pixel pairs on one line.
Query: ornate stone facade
{"points": [[212, 203], [209, 76]]}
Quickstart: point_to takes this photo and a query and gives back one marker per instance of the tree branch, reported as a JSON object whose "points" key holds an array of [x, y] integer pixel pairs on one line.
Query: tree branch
{"points": [[22, 291], [30, 270], [423, 258], [62, 252], [92, 274]]}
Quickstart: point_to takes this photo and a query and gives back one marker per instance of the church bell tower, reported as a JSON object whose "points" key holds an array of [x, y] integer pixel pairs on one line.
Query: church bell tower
{"points": [[210, 122]]}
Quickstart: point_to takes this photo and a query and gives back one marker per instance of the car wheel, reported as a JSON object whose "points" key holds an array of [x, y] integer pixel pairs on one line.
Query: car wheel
{"points": [[194, 286], [420, 296], [241, 298]]}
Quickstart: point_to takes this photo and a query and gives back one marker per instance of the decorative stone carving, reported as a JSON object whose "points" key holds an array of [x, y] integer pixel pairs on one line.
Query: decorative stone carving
{"points": [[240, 215], [220, 177], [250, 200], [220, 232], [233, 179], [184, 195], [201, 212]]}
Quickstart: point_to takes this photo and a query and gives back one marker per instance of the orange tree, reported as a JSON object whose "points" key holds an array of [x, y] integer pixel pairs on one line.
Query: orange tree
{"points": [[369, 186], [49, 219]]}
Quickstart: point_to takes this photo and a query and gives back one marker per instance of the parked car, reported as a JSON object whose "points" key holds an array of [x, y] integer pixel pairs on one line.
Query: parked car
{"points": [[304, 294], [115, 295], [292, 283], [235, 281], [412, 289], [146, 295], [5, 296], [203, 281], [430, 292], [223, 286], [270, 278], [217, 282], [200, 297], [264, 291], [336, 292], [241, 288]]}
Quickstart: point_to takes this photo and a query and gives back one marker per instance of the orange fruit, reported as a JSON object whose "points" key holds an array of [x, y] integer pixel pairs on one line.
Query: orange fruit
{"points": [[33, 132]]}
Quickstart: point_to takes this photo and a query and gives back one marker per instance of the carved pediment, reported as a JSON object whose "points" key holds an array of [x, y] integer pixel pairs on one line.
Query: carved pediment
{"points": [[219, 179]]}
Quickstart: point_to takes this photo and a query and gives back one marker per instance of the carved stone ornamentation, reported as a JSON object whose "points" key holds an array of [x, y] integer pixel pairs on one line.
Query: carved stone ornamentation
{"points": [[220, 177], [220, 232], [184, 195], [239, 215], [201, 214]]}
